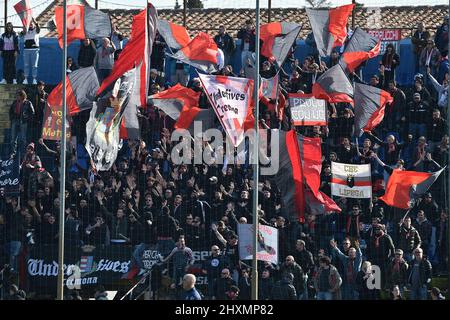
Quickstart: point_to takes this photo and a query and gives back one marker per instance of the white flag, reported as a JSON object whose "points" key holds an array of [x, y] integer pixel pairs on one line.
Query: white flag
{"points": [[231, 99], [351, 180]]}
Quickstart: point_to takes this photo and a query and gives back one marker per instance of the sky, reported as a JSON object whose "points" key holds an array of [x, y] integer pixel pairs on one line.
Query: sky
{"points": [[39, 5]]}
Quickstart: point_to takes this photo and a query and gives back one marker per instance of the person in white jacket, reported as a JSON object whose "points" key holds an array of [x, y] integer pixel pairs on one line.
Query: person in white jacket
{"points": [[442, 90]]}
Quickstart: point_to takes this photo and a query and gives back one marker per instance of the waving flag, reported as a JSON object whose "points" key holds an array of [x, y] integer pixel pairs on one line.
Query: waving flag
{"points": [[361, 47], [405, 187], [278, 38], [102, 129], [298, 177], [269, 87], [333, 86], [329, 27], [181, 104], [200, 52], [137, 52], [23, 9], [81, 89], [82, 22], [351, 180], [370, 103], [176, 36], [231, 99]]}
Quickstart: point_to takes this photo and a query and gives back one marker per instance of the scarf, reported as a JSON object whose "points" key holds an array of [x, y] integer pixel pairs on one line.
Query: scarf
{"points": [[397, 266], [388, 62], [377, 239], [391, 147], [349, 223]]}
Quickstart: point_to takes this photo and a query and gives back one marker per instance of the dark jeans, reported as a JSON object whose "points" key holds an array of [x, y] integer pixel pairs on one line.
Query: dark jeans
{"points": [[9, 66]]}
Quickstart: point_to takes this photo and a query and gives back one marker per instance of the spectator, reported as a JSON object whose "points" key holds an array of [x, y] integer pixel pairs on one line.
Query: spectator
{"points": [[87, 53], [352, 265], [157, 59], [248, 41], [417, 115], [226, 43], [190, 292], [182, 259], [441, 89], [71, 66], [213, 266], [409, 238], [435, 127], [419, 41], [441, 240], [244, 286], [265, 285], [284, 289], [397, 271], [327, 281], [429, 58], [441, 36], [31, 50], [21, 114], [396, 294], [222, 285], [292, 267], [39, 103], [155, 79], [9, 48], [424, 228], [390, 61], [419, 276], [365, 277], [104, 59]]}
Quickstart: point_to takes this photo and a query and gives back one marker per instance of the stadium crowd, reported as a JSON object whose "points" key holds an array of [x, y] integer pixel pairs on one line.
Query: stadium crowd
{"points": [[146, 199]]}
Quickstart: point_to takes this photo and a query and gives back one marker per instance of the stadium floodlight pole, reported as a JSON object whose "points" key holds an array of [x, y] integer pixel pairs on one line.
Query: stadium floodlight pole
{"points": [[256, 161], [62, 173]]}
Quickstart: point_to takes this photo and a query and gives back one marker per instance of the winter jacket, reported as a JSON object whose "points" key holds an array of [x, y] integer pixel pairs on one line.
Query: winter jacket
{"points": [[15, 41], [424, 271], [226, 43], [297, 272], [26, 114], [283, 290], [355, 264], [409, 239], [441, 90], [399, 277], [335, 280]]}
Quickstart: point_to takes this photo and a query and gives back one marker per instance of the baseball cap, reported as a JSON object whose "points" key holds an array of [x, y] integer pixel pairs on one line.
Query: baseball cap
{"points": [[398, 251]]}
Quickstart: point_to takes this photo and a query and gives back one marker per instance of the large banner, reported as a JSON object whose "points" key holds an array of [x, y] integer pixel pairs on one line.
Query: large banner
{"points": [[267, 243], [100, 266], [351, 180], [231, 99], [9, 176], [307, 110], [387, 36], [52, 128]]}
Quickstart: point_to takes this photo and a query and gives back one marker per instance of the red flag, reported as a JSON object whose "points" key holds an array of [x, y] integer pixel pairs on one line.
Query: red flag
{"points": [[82, 22], [405, 187], [278, 38], [329, 27], [361, 47], [333, 86], [200, 53], [176, 36], [370, 103], [24, 11]]}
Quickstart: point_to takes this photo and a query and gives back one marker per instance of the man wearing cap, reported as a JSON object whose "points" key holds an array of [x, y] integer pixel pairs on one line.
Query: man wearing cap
{"points": [[419, 276], [155, 79], [417, 116], [397, 271]]}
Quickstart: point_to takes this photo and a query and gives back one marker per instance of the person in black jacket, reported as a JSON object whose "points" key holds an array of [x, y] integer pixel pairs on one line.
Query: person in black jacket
{"points": [[435, 127], [248, 41], [419, 276], [291, 267], [226, 43], [265, 286], [283, 289], [9, 48], [222, 285], [418, 111], [408, 238], [21, 113], [390, 61], [213, 267], [87, 53]]}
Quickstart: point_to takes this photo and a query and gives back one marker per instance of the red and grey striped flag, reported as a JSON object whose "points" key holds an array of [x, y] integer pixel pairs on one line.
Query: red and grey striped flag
{"points": [[370, 103], [81, 89], [82, 22], [24, 11], [361, 47], [333, 86], [329, 27], [278, 38], [298, 177], [181, 104], [200, 52], [176, 36], [404, 188]]}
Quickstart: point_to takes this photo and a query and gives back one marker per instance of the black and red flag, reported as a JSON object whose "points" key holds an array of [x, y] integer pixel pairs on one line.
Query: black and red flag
{"points": [[278, 38], [361, 47], [333, 86], [176, 36], [298, 177], [24, 11], [82, 22], [181, 104], [405, 187], [370, 103], [137, 52], [329, 27], [200, 52], [81, 90]]}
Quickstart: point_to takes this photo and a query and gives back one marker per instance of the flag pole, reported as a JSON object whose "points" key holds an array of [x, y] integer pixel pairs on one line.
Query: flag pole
{"points": [[62, 179], [448, 180], [256, 161]]}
